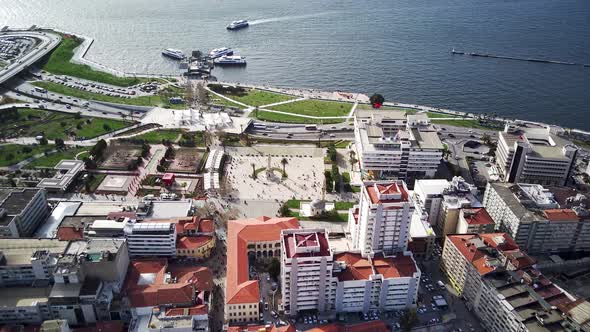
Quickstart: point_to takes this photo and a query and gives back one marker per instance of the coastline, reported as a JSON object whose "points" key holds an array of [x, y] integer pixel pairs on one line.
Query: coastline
{"points": [[82, 50]]}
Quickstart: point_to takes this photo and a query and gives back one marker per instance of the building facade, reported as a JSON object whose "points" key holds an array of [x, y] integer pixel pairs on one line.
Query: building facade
{"points": [[151, 239], [22, 210], [534, 155], [381, 221], [391, 145]]}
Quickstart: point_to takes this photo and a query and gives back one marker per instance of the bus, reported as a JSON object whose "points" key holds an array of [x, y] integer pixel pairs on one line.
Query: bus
{"points": [[259, 126], [311, 127]]}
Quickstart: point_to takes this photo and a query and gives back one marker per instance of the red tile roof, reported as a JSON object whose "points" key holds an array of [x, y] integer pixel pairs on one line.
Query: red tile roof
{"points": [[305, 240], [239, 289], [477, 217], [359, 268], [261, 328], [193, 242], [373, 326], [387, 189], [186, 223], [70, 233], [479, 258], [146, 285], [196, 310], [561, 215]]}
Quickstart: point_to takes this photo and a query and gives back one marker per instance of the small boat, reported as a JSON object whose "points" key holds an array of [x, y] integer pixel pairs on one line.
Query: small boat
{"points": [[219, 52], [237, 25], [173, 53], [230, 60]]}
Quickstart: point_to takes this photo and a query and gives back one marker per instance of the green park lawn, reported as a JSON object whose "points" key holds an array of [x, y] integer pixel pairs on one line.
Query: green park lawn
{"points": [[11, 154], [52, 125], [156, 136], [277, 117], [469, 123], [315, 108], [255, 97], [59, 63], [52, 159]]}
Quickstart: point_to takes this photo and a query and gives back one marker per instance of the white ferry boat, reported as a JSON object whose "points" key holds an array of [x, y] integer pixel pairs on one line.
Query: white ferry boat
{"points": [[173, 53], [230, 60], [236, 25], [219, 52]]}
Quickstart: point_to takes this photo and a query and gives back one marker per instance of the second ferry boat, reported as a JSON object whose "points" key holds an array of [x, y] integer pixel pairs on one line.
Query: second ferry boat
{"points": [[173, 53], [237, 25], [219, 52]]}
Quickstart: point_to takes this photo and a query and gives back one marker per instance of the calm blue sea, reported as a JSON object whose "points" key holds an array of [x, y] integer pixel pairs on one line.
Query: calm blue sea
{"points": [[397, 47]]}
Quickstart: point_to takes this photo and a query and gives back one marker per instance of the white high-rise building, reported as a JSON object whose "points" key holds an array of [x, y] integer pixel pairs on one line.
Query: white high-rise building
{"points": [[534, 155], [151, 239], [381, 221], [392, 145], [306, 271]]}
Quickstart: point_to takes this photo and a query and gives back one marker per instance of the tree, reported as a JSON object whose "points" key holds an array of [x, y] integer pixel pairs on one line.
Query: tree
{"points": [[274, 268], [487, 139], [78, 115], [106, 127], [202, 94], [43, 141], [408, 320], [284, 210], [284, 162], [352, 160], [253, 171], [446, 152], [377, 100], [27, 149], [59, 143]]}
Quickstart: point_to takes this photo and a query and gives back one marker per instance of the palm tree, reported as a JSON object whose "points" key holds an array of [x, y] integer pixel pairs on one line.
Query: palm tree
{"points": [[253, 171], [284, 162], [352, 159]]}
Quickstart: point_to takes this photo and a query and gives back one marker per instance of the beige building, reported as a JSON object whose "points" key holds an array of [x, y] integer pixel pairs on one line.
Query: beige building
{"points": [[475, 221]]}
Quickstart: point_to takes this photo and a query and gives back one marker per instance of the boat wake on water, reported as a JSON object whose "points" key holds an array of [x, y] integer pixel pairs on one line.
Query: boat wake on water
{"points": [[289, 18]]}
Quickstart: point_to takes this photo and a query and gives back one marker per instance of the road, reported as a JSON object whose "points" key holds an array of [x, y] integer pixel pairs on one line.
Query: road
{"points": [[47, 42]]}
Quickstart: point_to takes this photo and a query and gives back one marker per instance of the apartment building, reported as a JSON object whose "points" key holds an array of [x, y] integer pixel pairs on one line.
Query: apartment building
{"points": [[381, 221], [24, 262], [392, 145], [534, 155], [428, 195], [377, 283], [422, 236], [151, 239], [531, 215], [306, 271], [24, 305], [22, 210], [500, 285], [249, 240], [475, 221]]}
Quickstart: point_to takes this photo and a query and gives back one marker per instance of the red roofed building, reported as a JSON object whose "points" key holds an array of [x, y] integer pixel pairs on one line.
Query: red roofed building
{"points": [[381, 221], [255, 238], [155, 283], [372, 326], [475, 221], [358, 291], [197, 247], [500, 284], [261, 328]]}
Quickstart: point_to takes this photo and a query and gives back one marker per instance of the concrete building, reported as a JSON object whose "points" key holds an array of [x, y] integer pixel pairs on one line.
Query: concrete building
{"points": [[428, 195], [381, 221], [390, 144], [22, 210], [249, 240], [475, 221], [422, 236], [500, 285], [375, 283], [458, 196], [67, 172], [151, 239], [538, 223], [306, 271], [24, 262], [534, 155], [24, 305]]}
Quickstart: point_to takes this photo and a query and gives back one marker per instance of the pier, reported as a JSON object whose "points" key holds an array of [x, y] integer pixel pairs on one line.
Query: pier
{"points": [[484, 55]]}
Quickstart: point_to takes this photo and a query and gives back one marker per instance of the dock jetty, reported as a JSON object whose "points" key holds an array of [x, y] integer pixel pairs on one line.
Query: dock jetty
{"points": [[485, 55]]}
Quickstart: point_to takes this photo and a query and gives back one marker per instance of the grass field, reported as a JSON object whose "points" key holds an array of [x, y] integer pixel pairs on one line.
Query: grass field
{"points": [[52, 159], [11, 154], [156, 136], [213, 99], [59, 63], [256, 97], [30, 123], [277, 117], [463, 123], [315, 108]]}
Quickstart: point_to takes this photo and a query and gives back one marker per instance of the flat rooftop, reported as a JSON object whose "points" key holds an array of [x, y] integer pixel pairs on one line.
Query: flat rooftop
{"points": [[23, 296], [19, 251], [14, 201]]}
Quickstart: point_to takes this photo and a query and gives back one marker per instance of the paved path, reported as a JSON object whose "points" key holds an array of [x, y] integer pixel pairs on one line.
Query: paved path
{"points": [[284, 102], [226, 98]]}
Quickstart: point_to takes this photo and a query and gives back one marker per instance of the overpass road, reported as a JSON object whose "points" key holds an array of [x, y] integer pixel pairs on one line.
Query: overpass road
{"points": [[46, 42]]}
